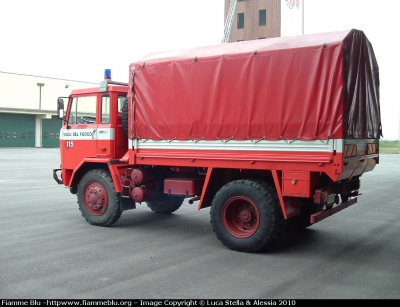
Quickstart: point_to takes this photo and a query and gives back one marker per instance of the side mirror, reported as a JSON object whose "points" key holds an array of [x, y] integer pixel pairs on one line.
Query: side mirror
{"points": [[60, 108]]}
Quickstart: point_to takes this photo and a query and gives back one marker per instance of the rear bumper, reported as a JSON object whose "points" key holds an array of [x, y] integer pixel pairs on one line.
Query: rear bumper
{"points": [[319, 216]]}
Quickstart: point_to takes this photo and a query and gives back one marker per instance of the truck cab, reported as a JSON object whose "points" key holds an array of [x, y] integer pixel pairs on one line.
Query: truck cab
{"points": [[92, 129]]}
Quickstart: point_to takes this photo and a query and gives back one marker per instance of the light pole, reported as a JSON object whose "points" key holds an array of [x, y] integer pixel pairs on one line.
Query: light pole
{"points": [[40, 94]]}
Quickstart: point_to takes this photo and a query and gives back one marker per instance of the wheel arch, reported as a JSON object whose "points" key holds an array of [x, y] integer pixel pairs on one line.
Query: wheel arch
{"points": [[82, 169], [215, 179], [218, 177]]}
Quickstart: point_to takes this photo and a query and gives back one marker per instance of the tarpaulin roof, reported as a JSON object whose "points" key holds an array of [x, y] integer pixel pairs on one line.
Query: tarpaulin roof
{"points": [[322, 86]]}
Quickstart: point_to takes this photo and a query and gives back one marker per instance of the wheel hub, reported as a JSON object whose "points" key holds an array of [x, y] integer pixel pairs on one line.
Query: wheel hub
{"points": [[96, 200], [240, 217], [245, 215]]}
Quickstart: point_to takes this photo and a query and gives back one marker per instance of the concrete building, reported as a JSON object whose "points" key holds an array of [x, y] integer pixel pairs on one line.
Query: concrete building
{"points": [[258, 19], [28, 109]]}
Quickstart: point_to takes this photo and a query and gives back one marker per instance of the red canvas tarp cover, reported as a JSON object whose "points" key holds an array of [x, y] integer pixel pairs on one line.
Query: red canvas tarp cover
{"points": [[312, 86]]}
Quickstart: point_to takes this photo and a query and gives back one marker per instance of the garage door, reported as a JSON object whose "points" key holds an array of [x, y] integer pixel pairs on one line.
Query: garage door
{"points": [[17, 130], [51, 132]]}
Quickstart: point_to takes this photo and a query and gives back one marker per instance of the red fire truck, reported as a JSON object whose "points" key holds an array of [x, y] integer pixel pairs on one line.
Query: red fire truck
{"points": [[272, 134]]}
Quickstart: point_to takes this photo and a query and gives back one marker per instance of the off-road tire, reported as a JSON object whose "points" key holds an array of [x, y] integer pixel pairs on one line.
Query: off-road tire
{"points": [[97, 199], [165, 204], [282, 221], [246, 215]]}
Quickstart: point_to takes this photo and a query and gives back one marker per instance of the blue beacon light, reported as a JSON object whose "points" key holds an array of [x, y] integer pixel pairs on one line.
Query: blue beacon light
{"points": [[107, 74]]}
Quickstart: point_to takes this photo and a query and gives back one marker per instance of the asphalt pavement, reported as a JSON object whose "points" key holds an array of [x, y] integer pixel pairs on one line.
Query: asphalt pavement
{"points": [[48, 251]]}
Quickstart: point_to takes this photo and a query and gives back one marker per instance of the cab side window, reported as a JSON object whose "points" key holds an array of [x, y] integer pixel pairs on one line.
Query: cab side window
{"points": [[105, 109], [83, 110], [121, 99]]}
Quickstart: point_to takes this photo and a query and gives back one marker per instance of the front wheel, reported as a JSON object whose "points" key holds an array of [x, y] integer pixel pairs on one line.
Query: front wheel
{"points": [[98, 201], [246, 215]]}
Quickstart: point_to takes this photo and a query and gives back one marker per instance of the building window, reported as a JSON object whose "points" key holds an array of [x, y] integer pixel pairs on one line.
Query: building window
{"points": [[262, 17], [240, 22]]}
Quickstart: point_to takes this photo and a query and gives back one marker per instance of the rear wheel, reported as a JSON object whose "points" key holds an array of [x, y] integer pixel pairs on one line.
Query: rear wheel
{"points": [[165, 203], [98, 201], [246, 215]]}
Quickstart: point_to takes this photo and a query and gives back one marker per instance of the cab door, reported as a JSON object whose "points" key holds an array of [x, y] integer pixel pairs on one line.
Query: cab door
{"points": [[105, 130], [79, 136], [111, 139]]}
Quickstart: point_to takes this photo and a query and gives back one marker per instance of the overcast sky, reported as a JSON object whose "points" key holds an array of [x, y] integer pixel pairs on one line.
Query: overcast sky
{"points": [[380, 22], [78, 39]]}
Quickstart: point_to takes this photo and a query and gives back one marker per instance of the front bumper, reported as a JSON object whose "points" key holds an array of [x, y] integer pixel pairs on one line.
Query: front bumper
{"points": [[55, 175]]}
